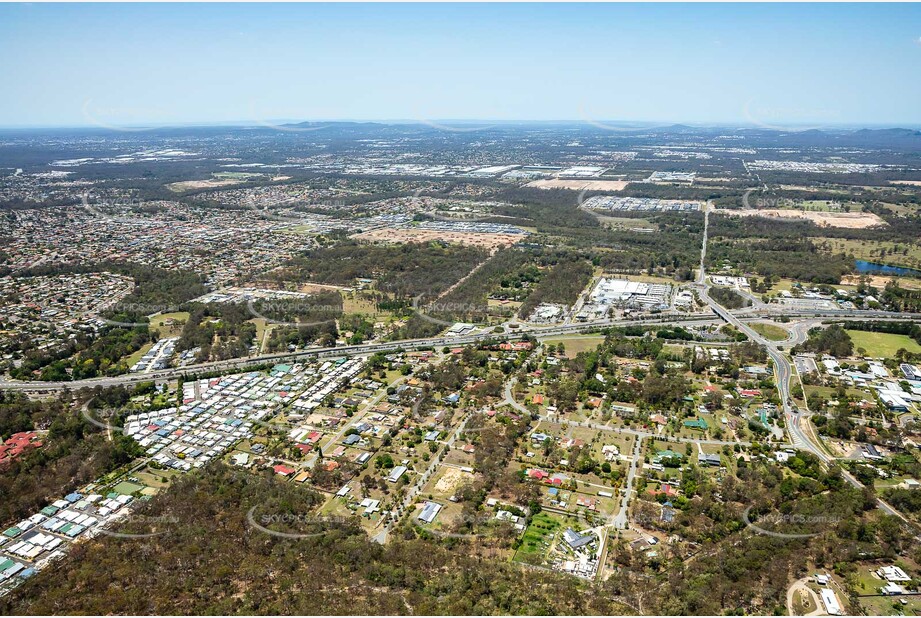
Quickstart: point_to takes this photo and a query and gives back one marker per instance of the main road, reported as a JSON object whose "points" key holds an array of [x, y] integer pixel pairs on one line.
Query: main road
{"points": [[416, 344], [783, 373]]}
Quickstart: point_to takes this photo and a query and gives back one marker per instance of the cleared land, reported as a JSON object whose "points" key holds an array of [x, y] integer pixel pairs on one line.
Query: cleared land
{"points": [[850, 220], [580, 185], [451, 480], [192, 185], [574, 345], [882, 344], [880, 281], [399, 236]]}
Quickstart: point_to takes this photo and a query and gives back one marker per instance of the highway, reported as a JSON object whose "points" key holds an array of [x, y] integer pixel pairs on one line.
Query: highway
{"points": [[440, 341], [783, 371]]}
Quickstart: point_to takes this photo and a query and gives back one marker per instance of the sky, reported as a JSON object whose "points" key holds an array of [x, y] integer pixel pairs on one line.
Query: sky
{"points": [[779, 65]]}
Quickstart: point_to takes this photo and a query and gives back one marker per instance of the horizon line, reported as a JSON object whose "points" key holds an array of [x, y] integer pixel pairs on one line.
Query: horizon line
{"points": [[638, 124]]}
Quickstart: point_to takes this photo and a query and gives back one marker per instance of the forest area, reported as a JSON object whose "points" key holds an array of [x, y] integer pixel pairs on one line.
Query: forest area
{"points": [[210, 560]]}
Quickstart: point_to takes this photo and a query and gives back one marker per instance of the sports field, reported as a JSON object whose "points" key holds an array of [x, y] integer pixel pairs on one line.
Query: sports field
{"points": [[882, 344]]}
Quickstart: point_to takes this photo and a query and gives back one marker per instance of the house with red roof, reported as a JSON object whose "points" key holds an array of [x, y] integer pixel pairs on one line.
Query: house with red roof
{"points": [[665, 489], [516, 346], [283, 470], [17, 444], [538, 475]]}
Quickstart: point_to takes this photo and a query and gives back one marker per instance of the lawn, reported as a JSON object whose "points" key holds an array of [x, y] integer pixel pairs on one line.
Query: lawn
{"points": [[882, 344], [538, 537], [157, 323], [769, 331], [127, 488], [261, 326], [574, 345], [626, 222], [890, 606]]}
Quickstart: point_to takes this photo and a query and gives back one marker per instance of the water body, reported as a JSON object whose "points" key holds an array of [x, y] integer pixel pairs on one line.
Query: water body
{"points": [[884, 269]]}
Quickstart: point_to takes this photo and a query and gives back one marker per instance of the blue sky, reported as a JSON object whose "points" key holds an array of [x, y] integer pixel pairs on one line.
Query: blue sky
{"points": [[130, 64]]}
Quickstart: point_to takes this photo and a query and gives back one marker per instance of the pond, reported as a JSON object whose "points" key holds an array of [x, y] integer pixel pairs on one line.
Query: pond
{"points": [[884, 269]]}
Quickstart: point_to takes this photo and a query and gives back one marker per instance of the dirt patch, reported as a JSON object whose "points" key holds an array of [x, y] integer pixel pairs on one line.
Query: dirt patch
{"points": [[851, 220], [911, 183], [879, 281], [451, 480], [485, 240], [580, 185], [191, 185], [316, 288]]}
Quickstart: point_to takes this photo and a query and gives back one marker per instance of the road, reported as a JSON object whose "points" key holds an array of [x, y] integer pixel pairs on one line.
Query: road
{"points": [[415, 344], [619, 520], [783, 372], [702, 272], [326, 448], [422, 479]]}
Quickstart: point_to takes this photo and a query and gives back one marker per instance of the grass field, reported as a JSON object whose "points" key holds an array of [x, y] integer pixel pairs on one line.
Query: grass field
{"points": [[352, 303], [770, 331], [882, 344], [831, 393], [574, 345], [157, 323], [134, 358], [896, 254], [261, 326], [626, 222]]}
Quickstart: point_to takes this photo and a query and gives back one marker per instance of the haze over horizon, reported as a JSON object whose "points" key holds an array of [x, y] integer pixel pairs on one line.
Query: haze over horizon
{"points": [[777, 66]]}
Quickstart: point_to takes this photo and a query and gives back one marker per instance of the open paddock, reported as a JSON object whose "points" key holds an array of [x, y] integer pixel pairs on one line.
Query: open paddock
{"points": [[579, 185], [849, 220], [476, 239], [194, 185]]}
